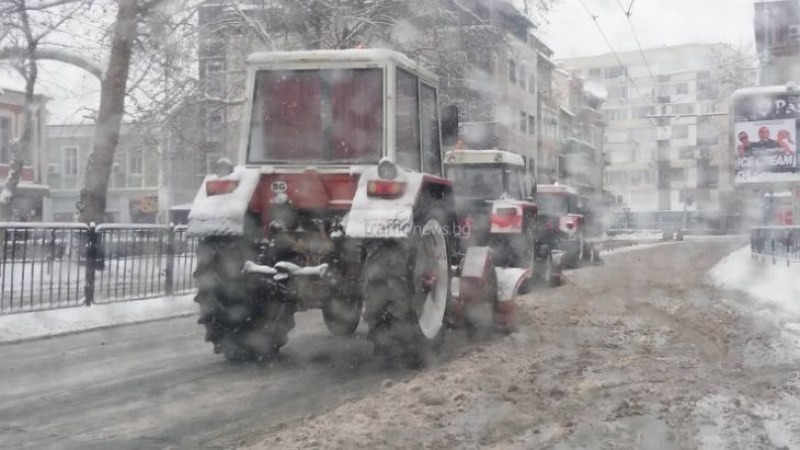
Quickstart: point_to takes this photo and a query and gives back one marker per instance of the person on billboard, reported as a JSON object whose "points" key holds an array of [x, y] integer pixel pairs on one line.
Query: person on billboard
{"points": [[785, 142], [744, 144], [764, 144]]}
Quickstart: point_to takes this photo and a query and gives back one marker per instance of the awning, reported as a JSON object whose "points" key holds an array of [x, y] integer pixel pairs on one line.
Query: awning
{"points": [[33, 190]]}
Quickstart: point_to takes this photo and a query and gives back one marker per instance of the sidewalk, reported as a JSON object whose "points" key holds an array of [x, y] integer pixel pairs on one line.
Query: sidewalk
{"points": [[35, 325]]}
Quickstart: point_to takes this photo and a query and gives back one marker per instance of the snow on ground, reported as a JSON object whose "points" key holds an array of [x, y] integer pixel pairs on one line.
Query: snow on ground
{"points": [[24, 326], [636, 235], [774, 284], [633, 248]]}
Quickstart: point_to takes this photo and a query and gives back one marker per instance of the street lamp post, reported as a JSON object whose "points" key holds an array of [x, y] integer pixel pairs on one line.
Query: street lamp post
{"points": [[627, 211]]}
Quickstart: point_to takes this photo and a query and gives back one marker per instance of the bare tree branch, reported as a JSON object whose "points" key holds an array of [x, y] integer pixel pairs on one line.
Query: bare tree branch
{"points": [[60, 55]]}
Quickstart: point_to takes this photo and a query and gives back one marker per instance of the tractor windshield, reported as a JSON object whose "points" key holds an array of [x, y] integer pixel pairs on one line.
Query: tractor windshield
{"points": [[553, 203], [333, 116], [477, 181]]}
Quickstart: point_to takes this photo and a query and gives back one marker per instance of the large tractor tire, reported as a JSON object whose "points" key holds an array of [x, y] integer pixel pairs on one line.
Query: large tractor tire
{"points": [[244, 318], [407, 291]]}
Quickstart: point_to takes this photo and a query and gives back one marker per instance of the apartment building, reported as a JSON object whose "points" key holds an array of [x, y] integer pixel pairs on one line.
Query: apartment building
{"points": [[32, 193], [133, 184], [580, 131], [501, 99], [666, 141]]}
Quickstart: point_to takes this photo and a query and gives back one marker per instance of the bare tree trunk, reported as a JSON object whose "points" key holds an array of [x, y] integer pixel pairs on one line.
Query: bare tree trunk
{"points": [[92, 202], [21, 148]]}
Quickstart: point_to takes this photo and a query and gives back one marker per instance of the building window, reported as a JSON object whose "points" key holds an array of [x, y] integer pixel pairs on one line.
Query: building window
{"points": [[703, 75], [682, 88], [708, 108], [595, 73], [70, 161], [615, 72], [682, 108], [710, 141], [214, 126], [135, 161], [523, 122], [616, 114], [531, 124], [5, 140], [512, 71], [677, 174], [523, 76], [713, 176], [680, 131], [686, 153], [214, 78], [531, 83], [618, 92]]}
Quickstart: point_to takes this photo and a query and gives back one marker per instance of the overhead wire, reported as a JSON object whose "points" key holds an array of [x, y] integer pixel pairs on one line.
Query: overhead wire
{"points": [[628, 13], [614, 52]]}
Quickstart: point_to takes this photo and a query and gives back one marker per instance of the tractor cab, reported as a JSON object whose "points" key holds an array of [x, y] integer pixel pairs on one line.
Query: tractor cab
{"points": [[341, 108], [492, 196], [487, 175]]}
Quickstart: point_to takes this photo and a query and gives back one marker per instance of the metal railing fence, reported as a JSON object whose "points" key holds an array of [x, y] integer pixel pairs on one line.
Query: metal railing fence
{"points": [[777, 243], [57, 265]]}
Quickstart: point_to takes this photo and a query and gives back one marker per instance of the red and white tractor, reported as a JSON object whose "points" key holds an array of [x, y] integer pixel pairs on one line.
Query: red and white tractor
{"points": [[340, 205], [496, 208], [563, 214]]}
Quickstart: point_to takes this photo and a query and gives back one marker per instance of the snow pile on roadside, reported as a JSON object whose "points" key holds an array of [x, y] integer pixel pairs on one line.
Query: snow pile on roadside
{"points": [[638, 235], [776, 284], [24, 326]]}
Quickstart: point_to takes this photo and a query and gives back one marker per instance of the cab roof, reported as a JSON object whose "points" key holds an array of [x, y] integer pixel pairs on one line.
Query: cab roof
{"points": [[483, 157], [556, 189], [320, 58]]}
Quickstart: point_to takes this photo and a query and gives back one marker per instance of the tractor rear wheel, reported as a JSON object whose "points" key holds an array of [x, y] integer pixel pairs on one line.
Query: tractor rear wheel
{"points": [[342, 315], [407, 291], [243, 317]]}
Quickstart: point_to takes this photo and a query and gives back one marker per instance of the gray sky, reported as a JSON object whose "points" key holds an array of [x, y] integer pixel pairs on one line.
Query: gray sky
{"points": [[572, 33]]}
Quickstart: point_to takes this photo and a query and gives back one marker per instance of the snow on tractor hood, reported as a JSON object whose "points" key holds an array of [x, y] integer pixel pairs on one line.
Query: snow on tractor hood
{"points": [[380, 218], [223, 214]]}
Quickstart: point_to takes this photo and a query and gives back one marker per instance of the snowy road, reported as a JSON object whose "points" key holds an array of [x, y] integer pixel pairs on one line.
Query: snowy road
{"points": [[638, 353], [158, 385]]}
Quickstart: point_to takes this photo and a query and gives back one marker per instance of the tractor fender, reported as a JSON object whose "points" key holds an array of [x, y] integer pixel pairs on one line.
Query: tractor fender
{"points": [[223, 214], [473, 273], [383, 218], [509, 282]]}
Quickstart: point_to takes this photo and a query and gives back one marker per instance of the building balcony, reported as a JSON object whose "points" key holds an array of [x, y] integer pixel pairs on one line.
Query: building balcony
{"points": [[577, 147]]}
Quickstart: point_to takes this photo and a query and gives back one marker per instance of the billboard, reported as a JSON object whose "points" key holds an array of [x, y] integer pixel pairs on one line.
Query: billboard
{"points": [[765, 135]]}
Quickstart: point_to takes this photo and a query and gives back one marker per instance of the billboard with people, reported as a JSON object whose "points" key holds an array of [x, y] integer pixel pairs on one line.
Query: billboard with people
{"points": [[765, 130]]}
